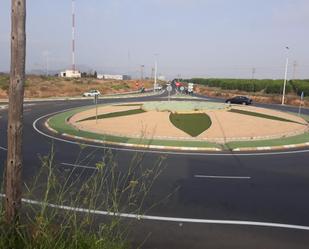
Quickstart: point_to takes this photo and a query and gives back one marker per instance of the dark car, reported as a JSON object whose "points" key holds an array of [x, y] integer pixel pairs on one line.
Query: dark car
{"points": [[239, 100]]}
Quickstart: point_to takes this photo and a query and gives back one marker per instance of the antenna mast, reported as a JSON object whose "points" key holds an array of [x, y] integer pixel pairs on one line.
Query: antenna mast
{"points": [[73, 35]]}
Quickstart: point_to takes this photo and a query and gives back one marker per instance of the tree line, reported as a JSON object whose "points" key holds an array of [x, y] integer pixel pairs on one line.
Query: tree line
{"points": [[269, 86]]}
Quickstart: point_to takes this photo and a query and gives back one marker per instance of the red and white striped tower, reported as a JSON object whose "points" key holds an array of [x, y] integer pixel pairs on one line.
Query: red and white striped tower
{"points": [[73, 35]]}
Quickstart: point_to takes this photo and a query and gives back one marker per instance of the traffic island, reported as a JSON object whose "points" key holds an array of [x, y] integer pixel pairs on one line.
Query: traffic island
{"points": [[183, 125]]}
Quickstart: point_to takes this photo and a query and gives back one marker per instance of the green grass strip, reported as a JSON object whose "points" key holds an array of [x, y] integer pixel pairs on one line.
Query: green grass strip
{"points": [[58, 123], [261, 115], [193, 124], [304, 116], [299, 139], [115, 114]]}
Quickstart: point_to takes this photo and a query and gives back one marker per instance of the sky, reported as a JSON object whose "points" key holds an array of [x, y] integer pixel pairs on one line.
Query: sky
{"points": [[191, 38]]}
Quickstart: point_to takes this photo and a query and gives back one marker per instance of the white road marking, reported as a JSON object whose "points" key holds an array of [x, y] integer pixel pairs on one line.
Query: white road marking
{"points": [[78, 166], [2, 148], [224, 177], [158, 152], [168, 219]]}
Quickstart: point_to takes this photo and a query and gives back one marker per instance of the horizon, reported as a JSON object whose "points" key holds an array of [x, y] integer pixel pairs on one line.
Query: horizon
{"points": [[193, 39]]}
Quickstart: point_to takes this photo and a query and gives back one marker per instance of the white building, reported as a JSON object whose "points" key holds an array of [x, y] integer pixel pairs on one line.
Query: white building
{"points": [[110, 77], [70, 74], [161, 77], [100, 76]]}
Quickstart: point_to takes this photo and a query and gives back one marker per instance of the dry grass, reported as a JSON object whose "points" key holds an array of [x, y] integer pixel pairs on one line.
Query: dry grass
{"points": [[44, 87], [291, 99]]}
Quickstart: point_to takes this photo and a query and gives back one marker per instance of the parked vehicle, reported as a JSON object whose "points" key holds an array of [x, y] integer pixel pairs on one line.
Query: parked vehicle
{"points": [[158, 87], [91, 93], [239, 100]]}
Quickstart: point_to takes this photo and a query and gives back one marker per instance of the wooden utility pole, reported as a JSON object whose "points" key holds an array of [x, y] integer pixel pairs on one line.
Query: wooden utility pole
{"points": [[13, 173]]}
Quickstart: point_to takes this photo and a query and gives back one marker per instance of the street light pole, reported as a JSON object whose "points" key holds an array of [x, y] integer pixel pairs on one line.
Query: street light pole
{"points": [[155, 73], [142, 72], [285, 76]]}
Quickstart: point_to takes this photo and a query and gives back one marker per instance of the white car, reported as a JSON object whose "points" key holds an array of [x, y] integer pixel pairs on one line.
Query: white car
{"points": [[91, 93], [158, 87]]}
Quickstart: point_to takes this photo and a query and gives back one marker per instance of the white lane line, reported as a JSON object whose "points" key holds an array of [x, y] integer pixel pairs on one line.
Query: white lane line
{"points": [[34, 125], [2, 148], [168, 219], [78, 166], [224, 177]]}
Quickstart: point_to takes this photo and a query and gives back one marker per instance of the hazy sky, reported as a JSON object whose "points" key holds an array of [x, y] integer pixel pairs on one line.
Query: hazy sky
{"points": [[212, 38]]}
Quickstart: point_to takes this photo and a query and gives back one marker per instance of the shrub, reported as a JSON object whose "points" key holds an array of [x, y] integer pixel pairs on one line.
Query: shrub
{"points": [[4, 82], [276, 87], [46, 224], [246, 85], [301, 86]]}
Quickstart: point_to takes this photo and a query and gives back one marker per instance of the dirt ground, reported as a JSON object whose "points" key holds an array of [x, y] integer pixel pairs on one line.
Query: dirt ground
{"points": [[51, 86], [226, 126]]}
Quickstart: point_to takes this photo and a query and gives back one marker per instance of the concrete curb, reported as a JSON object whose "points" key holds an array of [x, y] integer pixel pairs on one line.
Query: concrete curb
{"points": [[267, 148], [182, 148], [49, 128], [143, 146], [184, 97], [161, 147]]}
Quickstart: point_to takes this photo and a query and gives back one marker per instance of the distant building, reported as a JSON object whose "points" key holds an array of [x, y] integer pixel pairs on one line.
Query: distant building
{"points": [[113, 77], [70, 74], [161, 77]]}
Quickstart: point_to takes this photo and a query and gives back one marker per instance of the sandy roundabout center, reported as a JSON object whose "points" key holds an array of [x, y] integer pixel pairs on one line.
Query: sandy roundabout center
{"points": [[189, 121]]}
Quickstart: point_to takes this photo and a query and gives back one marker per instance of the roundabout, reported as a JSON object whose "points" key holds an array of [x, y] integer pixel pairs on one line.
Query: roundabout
{"points": [[239, 194], [183, 125]]}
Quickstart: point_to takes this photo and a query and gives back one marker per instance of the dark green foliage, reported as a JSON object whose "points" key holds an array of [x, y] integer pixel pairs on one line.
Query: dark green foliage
{"points": [[276, 87], [115, 114], [301, 86], [192, 124], [261, 115], [4, 82], [247, 85]]}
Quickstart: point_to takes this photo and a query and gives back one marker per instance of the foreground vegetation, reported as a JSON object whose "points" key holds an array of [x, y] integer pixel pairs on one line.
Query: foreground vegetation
{"points": [[62, 215]]}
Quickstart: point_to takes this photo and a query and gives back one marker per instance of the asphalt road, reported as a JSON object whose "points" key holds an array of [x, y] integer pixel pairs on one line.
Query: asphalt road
{"points": [[269, 188]]}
